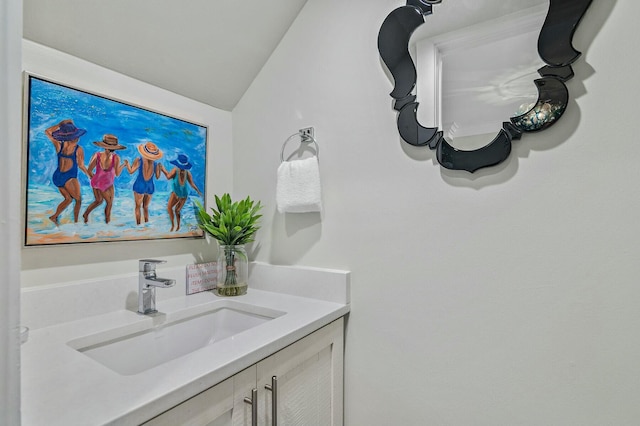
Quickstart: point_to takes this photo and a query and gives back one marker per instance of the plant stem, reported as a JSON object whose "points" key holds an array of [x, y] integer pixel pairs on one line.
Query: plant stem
{"points": [[230, 254]]}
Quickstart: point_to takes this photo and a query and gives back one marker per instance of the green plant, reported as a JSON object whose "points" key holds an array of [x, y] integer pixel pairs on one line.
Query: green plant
{"points": [[232, 224]]}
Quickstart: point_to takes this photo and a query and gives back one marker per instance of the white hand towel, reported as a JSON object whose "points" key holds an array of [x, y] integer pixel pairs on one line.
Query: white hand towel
{"points": [[298, 186]]}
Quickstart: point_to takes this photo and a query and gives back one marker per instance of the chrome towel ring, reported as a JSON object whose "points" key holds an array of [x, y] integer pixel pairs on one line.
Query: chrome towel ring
{"points": [[304, 138]]}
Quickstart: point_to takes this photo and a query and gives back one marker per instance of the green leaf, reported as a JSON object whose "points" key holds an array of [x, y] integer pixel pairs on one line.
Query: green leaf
{"points": [[232, 222]]}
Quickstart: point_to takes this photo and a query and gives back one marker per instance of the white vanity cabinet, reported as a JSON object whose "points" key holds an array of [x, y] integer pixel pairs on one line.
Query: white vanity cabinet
{"points": [[302, 385]]}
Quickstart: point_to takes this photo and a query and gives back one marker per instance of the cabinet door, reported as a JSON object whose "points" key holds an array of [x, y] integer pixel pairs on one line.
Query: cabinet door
{"points": [[213, 407], [221, 405], [308, 377], [244, 382]]}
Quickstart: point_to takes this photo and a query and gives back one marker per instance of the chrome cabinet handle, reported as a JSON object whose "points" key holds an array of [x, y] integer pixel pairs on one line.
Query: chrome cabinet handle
{"points": [[273, 387], [254, 406]]}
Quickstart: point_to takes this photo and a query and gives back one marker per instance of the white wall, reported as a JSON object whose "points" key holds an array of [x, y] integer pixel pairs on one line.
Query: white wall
{"points": [[501, 298], [10, 96], [47, 265]]}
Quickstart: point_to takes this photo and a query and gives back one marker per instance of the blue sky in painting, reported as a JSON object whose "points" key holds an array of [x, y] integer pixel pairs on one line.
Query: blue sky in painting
{"points": [[50, 103]]}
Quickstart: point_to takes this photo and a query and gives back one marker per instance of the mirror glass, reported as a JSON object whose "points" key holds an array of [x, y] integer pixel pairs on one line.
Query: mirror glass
{"points": [[476, 61]]}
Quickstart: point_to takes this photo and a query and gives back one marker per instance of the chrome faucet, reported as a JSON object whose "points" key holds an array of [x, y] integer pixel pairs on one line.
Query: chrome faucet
{"points": [[147, 283]]}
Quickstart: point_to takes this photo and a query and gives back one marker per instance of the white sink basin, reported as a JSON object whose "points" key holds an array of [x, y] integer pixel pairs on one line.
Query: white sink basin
{"points": [[132, 352]]}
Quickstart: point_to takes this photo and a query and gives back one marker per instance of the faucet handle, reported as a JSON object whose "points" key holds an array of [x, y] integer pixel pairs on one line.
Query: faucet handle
{"points": [[146, 265]]}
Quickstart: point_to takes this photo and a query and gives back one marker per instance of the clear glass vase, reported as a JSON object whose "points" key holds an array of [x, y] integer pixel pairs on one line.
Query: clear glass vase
{"points": [[233, 271]]}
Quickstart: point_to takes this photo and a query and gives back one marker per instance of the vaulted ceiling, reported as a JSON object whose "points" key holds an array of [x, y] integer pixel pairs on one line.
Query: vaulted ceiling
{"points": [[207, 50]]}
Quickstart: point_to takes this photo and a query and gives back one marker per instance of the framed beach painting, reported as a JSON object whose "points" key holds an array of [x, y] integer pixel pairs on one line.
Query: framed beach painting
{"points": [[98, 169]]}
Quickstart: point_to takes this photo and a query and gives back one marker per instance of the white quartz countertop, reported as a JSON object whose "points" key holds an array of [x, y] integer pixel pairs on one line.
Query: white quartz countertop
{"points": [[62, 386]]}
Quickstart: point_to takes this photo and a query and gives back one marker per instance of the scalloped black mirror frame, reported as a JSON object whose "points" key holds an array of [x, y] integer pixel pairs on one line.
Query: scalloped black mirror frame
{"points": [[555, 47]]}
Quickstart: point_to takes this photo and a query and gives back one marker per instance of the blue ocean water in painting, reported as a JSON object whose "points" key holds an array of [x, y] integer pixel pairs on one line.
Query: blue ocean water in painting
{"points": [[50, 103]]}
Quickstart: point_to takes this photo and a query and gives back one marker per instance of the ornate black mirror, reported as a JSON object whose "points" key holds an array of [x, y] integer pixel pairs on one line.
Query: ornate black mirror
{"points": [[554, 48]]}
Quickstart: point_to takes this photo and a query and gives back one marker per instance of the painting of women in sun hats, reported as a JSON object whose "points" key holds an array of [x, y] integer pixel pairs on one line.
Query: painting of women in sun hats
{"points": [[103, 170]]}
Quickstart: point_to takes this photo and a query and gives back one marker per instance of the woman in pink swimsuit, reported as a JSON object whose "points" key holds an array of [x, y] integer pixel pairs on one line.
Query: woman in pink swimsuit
{"points": [[107, 165]]}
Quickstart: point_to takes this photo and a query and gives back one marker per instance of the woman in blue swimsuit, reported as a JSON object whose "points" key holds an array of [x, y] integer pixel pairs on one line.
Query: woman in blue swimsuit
{"points": [[65, 136], [143, 187], [181, 176]]}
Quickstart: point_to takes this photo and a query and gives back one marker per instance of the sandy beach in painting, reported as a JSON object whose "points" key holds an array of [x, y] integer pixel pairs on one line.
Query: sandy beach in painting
{"points": [[40, 230]]}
